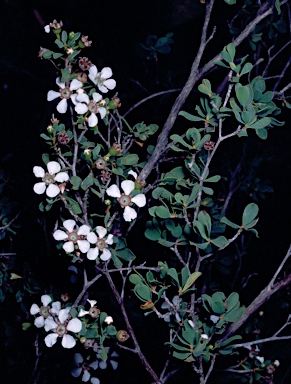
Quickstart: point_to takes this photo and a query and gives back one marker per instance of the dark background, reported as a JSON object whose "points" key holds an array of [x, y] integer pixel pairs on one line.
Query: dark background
{"points": [[117, 28]]}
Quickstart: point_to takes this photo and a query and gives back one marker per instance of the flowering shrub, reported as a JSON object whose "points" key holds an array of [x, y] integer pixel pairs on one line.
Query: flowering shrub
{"points": [[96, 177]]}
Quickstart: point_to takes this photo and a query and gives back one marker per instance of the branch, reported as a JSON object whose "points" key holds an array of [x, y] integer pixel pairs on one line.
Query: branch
{"points": [[86, 286]]}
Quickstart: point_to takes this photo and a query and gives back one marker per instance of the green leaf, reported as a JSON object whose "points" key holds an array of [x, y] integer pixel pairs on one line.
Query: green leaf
{"points": [[129, 159], [213, 179], [250, 213], [74, 206], [76, 182], [163, 212], [262, 123], [231, 50], [178, 139], [232, 300], [143, 292], [125, 254], [173, 273], [166, 243], [181, 356], [230, 223], [87, 182], [246, 68], [135, 279], [219, 242], [190, 281], [243, 94]]}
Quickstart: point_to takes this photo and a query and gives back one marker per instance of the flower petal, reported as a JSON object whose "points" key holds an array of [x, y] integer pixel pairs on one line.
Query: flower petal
{"points": [[109, 239], [139, 200], [113, 191], [83, 313], [53, 167], [68, 341], [62, 106], [129, 214], [110, 84], [95, 380], [106, 73], [105, 255], [45, 299], [127, 186], [101, 88], [51, 339], [86, 376], [60, 83], [84, 230], [92, 238], [134, 174], [61, 177], [52, 190], [69, 225], [64, 314], [52, 95], [69, 247], [92, 302], [83, 98], [93, 70], [78, 358], [114, 364], [94, 365], [39, 188], [38, 171], [102, 112], [76, 372], [101, 231], [83, 245], [75, 84], [93, 253], [56, 307], [47, 28], [97, 97], [60, 235], [74, 325], [92, 120], [81, 108], [34, 309], [50, 324], [103, 365], [39, 322]]}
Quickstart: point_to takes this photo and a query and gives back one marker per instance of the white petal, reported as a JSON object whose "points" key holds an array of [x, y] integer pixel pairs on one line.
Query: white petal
{"points": [[103, 365], [102, 112], [69, 225], [127, 186], [92, 238], [49, 324], [176, 300], [191, 323], [84, 230], [53, 167], [56, 307], [75, 84], [102, 88], [83, 245], [45, 299], [109, 239], [52, 95], [38, 171], [74, 325], [113, 191], [52, 190], [68, 341], [94, 364], [92, 302], [260, 358], [92, 78], [101, 231], [81, 108], [60, 83], [83, 98], [76, 372], [93, 253], [134, 174], [47, 28], [97, 97], [92, 120], [105, 255], [110, 84], [39, 188], [139, 200], [106, 73], [93, 70], [165, 305], [68, 246], [60, 235], [73, 97], [61, 177], [86, 376], [62, 106], [214, 318], [64, 314], [51, 339], [78, 358], [83, 313], [34, 309], [95, 380], [114, 364], [39, 322], [129, 214]]}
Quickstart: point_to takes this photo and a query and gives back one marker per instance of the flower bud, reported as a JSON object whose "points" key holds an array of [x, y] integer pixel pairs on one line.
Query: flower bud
{"points": [[122, 336], [115, 149], [71, 35], [107, 202], [83, 339], [100, 163], [50, 129], [88, 153]]}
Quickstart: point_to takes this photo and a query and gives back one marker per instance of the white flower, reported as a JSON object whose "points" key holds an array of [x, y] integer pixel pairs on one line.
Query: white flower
{"points": [[214, 318], [84, 105], [260, 358], [60, 327], [204, 336], [43, 311], [74, 236], [102, 79], [172, 309], [101, 244], [49, 179], [93, 311], [47, 28], [125, 200], [108, 320], [276, 363], [65, 93], [83, 367], [190, 322], [111, 357]]}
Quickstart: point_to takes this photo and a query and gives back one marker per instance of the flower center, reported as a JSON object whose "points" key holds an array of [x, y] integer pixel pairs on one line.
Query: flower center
{"points": [[94, 312], [101, 244], [100, 163], [65, 93], [73, 236], [44, 311], [48, 179], [92, 107], [61, 330], [124, 200]]}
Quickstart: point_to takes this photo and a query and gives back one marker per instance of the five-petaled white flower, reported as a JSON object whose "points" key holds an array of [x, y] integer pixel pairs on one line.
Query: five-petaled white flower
{"points": [[83, 367], [49, 179], [60, 326], [102, 79], [43, 311], [74, 236], [125, 199], [108, 320], [101, 244], [65, 93], [93, 311], [84, 105]]}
